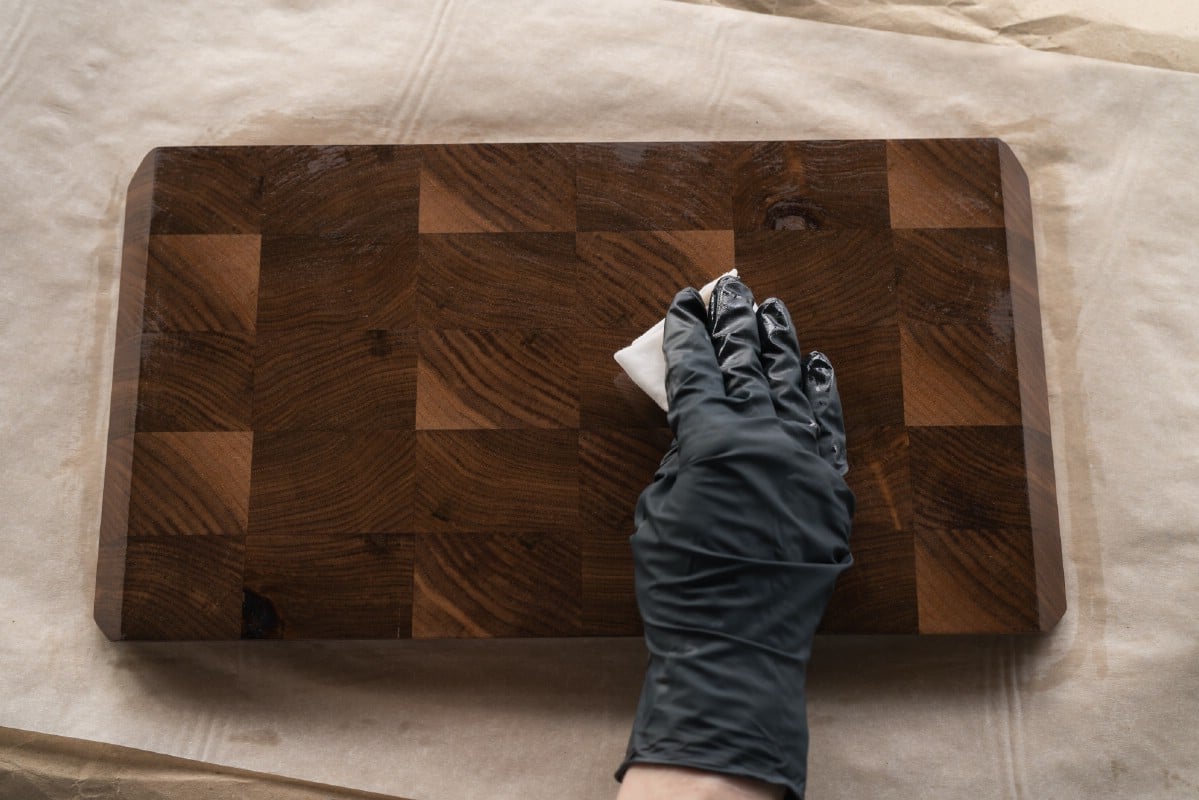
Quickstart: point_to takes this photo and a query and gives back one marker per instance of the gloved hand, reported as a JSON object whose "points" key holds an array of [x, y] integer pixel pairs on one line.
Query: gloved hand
{"points": [[739, 540]]}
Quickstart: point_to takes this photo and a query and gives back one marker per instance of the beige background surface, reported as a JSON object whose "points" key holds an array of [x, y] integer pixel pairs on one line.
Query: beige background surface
{"points": [[1104, 706], [1156, 33]]}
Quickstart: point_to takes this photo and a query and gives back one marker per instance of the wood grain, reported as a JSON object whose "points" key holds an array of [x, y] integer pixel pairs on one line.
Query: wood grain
{"points": [[369, 392], [969, 477], [202, 283], [484, 585], [945, 183], [368, 192], [878, 594], [207, 190], [953, 276], [871, 380], [614, 468], [845, 278], [510, 282], [607, 595], [309, 378], [195, 382], [183, 587], [608, 398], [337, 282], [810, 186], [328, 586], [497, 379], [881, 478], [975, 581], [968, 374], [647, 187], [497, 188], [190, 483], [628, 278], [332, 482], [497, 480]]}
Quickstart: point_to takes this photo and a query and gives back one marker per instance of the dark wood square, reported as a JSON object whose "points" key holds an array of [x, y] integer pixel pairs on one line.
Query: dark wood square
{"points": [[810, 186], [496, 584], [496, 188], [614, 468], [370, 192], [497, 480], [953, 276], [337, 282], [183, 587], [370, 392], [975, 581], [657, 263], [202, 283], [190, 483], [498, 281], [841, 278], [318, 379], [881, 478], [497, 379], [205, 190], [346, 482], [969, 477], [195, 382], [945, 183], [635, 187], [878, 594], [960, 374], [328, 586]]}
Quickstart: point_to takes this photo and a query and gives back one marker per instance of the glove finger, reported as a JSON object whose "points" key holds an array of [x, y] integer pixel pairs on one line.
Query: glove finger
{"points": [[783, 366], [820, 385], [734, 329], [693, 376]]}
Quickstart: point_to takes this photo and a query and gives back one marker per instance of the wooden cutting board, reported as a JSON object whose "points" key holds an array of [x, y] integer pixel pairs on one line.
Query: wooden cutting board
{"points": [[368, 392]]}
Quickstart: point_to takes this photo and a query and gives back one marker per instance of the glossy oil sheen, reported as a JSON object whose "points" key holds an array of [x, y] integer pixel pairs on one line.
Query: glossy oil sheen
{"points": [[368, 392]]}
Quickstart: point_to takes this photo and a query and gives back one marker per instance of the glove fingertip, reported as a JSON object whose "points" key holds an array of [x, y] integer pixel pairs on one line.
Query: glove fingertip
{"points": [[818, 369], [689, 302]]}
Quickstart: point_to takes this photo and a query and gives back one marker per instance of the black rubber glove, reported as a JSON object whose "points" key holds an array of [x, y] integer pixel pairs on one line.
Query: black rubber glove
{"points": [[739, 540]]}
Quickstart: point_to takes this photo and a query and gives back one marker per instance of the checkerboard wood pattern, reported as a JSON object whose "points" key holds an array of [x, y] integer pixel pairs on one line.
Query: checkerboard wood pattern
{"points": [[368, 392]]}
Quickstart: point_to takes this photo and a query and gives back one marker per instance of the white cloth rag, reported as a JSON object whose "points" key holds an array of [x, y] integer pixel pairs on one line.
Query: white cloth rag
{"points": [[643, 360]]}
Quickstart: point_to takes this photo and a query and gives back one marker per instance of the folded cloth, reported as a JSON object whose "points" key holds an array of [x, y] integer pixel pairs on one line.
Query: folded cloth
{"points": [[643, 361]]}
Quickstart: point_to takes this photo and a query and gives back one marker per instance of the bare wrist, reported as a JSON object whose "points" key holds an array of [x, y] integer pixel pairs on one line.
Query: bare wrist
{"points": [[666, 782]]}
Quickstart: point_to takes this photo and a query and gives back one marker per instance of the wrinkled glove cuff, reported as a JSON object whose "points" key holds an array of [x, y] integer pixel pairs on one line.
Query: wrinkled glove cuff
{"points": [[719, 707]]}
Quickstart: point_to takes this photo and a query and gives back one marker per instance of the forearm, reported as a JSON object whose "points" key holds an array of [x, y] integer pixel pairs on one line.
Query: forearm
{"points": [[661, 782]]}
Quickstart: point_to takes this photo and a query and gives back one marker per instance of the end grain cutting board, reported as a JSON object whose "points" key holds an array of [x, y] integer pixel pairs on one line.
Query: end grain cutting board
{"points": [[368, 392]]}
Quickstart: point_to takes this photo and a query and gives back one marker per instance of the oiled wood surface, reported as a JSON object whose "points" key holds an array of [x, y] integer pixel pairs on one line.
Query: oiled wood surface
{"points": [[368, 392]]}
